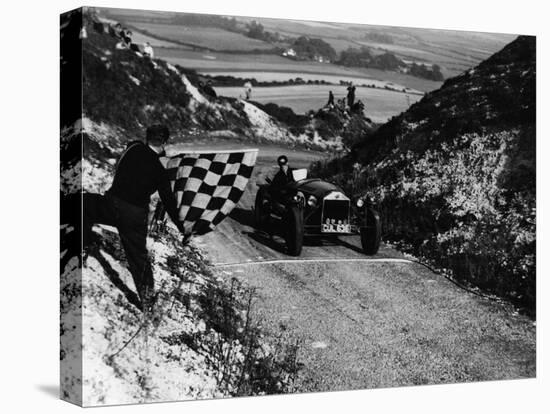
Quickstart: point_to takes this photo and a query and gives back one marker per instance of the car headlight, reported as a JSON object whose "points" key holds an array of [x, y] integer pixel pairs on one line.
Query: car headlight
{"points": [[312, 201], [360, 203]]}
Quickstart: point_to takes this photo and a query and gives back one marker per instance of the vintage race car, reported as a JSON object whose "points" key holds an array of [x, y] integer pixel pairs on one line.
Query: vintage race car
{"points": [[313, 207]]}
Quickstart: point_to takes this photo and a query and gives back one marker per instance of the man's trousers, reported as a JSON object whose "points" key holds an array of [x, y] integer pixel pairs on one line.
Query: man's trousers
{"points": [[131, 223]]}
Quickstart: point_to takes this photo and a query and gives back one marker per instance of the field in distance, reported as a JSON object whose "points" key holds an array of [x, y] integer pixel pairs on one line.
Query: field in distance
{"points": [[278, 68], [380, 104], [454, 51]]}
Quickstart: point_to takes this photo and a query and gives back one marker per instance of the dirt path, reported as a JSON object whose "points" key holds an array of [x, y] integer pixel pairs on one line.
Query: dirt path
{"points": [[367, 321]]}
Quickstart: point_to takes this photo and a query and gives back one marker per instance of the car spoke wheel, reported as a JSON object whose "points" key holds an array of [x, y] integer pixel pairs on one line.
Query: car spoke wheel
{"points": [[371, 232], [294, 230]]}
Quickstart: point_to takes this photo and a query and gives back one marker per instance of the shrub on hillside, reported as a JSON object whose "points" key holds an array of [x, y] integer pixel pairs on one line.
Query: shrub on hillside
{"points": [[328, 123], [423, 71], [454, 175], [458, 206], [356, 130], [312, 48], [127, 90], [296, 123]]}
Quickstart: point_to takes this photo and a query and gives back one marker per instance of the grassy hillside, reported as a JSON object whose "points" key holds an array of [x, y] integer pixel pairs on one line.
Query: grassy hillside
{"points": [[454, 176], [209, 38], [201, 341], [125, 89]]}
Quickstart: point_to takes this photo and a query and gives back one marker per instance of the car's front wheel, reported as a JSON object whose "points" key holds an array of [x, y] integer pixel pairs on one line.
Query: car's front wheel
{"points": [[371, 232], [294, 230]]}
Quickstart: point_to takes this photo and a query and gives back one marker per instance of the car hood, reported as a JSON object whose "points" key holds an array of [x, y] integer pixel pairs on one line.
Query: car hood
{"points": [[315, 187]]}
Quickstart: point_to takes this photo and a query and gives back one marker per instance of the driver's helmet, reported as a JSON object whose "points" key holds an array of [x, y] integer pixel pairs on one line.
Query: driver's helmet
{"points": [[282, 160]]}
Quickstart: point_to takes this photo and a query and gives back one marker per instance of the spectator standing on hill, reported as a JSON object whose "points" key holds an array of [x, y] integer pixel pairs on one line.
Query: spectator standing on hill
{"points": [[148, 50], [248, 90], [139, 173], [351, 95], [330, 102]]}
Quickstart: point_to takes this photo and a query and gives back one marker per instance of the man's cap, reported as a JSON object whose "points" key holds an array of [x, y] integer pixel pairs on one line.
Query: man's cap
{"points": [[157, 133], [282, 160]]}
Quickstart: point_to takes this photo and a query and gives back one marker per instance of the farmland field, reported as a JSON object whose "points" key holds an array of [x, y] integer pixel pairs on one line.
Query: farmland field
{"points": [[380, 104], [207, 37], [454, 51], [302, 28], [236, 64], [340, 44], [139, 38], [335, 79]]}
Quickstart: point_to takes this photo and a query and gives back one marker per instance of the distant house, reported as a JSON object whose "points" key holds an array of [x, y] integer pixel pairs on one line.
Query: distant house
{"points": [[321, 59], [289, 53]]}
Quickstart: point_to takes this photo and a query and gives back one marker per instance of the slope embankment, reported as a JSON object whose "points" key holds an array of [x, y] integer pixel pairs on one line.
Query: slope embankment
{"points": [[454, 176]]}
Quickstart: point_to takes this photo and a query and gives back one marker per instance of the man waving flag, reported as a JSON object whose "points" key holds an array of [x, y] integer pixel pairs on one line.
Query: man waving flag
{"points": [[208, 185]]}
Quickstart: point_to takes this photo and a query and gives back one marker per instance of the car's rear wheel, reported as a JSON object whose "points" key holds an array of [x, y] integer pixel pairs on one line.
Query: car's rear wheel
{"points": [[371, 232], [294, 230], [261, 215]]}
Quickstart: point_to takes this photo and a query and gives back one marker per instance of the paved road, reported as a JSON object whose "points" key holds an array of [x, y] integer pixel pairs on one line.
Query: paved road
{"points": [[367, 321]]}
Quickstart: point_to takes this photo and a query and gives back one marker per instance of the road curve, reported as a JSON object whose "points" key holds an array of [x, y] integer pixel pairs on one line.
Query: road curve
{"points": [[366, 321]]}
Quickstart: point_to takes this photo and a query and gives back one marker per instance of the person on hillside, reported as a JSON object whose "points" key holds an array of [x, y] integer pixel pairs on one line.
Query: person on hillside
{"points": [[119, 31], [248, 90], [358, 107], [126, 39], [148, 50], [342, 104], [351, 95], [139, 173], [330, 102], [113, 29], [127, 36]]}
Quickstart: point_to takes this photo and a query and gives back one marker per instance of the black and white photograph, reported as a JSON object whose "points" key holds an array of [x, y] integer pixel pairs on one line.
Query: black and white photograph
{"points": [[254, 206]]}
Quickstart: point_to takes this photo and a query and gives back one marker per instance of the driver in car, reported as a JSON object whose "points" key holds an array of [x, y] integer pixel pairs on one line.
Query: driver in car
{"points": [[284, 175]]}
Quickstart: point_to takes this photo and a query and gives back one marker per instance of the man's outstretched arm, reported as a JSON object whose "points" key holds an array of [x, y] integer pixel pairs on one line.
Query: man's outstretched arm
{"points": [[168, 200]]}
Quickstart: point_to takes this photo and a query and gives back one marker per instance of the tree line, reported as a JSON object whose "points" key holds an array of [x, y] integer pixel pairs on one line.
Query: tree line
{"points": [[310, 48], [362, 57]]}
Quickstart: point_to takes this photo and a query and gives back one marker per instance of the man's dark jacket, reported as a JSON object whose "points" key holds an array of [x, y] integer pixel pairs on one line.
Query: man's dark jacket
{"points": [[281, 179], [139, 174]]}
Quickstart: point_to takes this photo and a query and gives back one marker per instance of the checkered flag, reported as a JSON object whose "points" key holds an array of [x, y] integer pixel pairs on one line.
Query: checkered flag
{"points": [[207, 186]]}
